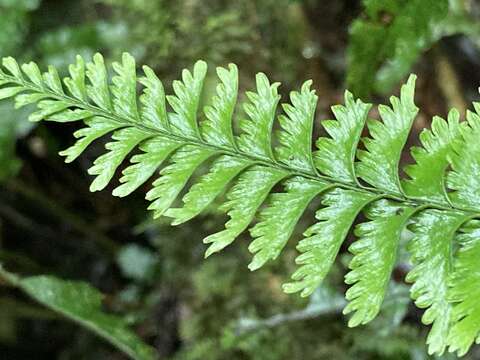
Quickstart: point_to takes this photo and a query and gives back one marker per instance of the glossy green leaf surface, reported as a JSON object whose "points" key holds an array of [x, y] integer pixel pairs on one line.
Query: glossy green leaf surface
{"points": [[96, 128], [174, 177], [378, 164], [432, 254], [200, 195], [295, 138], [336, 155], [186, 100], [322, 241], [124, 140], [465, 161], [144, 165], [256, 137], [465, 292], [375, 254], [154, 111], [427, 176], [98, 91], [242, 204], [217, 127], [279, 217], [124, 88]]}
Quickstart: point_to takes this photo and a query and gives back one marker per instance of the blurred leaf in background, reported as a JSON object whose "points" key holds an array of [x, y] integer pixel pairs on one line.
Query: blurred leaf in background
{"points": [[263, 34], [81, 303], [387, 41], [12, 127], [15, 19]]}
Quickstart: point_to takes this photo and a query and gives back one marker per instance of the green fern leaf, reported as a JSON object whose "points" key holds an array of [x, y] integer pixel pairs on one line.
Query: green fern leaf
{"points": [[186, 100], [8, 92], [69, 115], [154, 111], [124, 88], [278, 219], [27, 99], [47, 109], [375, 253], [204, 192], [323, 240], [33, 73], [336, 155], [243, 202], [378, 165], [465, 162], [296, 136], [76, 82], [144, 165], [96, 128], [104, 167], [465, 292], [98, 91], [427, 176], [174, 177], [12, 66], [217, 128], [256, 138], [432, 253], [52, 80]]}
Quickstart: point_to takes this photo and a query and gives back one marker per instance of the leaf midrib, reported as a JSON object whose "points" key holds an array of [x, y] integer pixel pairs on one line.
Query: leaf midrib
{"points": [[410, 201]]}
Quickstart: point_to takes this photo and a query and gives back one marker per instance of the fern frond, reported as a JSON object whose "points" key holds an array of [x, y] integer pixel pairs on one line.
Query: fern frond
{"points": [[323, 240], [96, 128], [104, 167], [175, 140], [437, 147], [217, 127], [465, 162], [465, 292], [243, 202], [186, 100], [144, 165], [174, 177], [335, 156], [98, 90], [278, 219], [378, 164], [375, 253], [76, 82], [256, 138], [124, 88], [204, 192], [296, 136], [432, 254], [154, 111]]}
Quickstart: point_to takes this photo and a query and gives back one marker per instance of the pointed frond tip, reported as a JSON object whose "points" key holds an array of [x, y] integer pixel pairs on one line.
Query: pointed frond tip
{"points": [[280, 175]]}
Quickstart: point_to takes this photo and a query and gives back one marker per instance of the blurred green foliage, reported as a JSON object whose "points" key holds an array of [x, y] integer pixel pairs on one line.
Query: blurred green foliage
{"points": [[15, 19], [265, 34], [386, 43]]}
